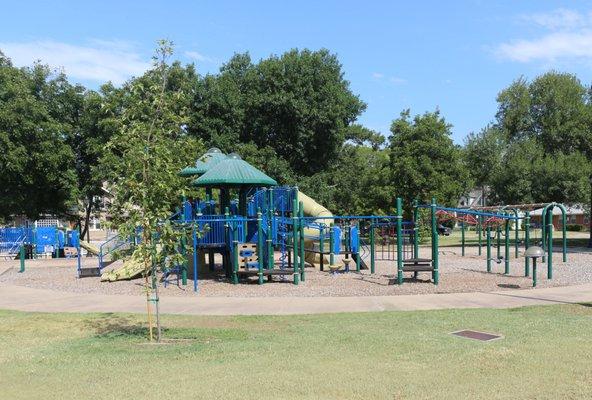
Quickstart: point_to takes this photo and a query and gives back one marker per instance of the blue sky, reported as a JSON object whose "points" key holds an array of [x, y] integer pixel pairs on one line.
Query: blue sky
{"points": [[420, 55]]}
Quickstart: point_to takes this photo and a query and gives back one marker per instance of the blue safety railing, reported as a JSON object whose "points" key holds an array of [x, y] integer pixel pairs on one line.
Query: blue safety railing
{"points": [[112, 245]]}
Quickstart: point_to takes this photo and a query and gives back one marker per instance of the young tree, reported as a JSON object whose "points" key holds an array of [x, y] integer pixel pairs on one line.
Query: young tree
{"points": [[145, 157], [424, 162]]}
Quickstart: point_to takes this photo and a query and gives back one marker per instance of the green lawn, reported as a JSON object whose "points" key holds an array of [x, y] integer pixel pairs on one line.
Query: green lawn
{"points": [[546, 353]]}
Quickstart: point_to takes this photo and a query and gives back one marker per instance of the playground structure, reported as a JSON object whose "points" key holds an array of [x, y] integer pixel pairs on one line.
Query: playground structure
{"points": [[272, 231], [496, 222], [35, 242], [268, 231]]}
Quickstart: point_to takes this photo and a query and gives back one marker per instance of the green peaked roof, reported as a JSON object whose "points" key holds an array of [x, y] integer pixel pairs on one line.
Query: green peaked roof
{"points": [[234, 172], [189, 171], [212, 157]]}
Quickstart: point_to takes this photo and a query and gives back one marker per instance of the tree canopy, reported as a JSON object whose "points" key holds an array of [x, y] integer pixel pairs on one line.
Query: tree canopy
{"points": [[424, 161], [295, 116]]}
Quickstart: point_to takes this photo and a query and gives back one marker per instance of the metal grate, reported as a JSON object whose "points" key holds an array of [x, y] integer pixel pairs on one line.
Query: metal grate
{"points": [[476, 335]]}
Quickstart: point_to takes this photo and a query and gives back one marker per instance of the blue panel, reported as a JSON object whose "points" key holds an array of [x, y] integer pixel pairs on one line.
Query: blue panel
{"points": [[45, 239], [187, 211], [336, 239], [61, 239], [354, 239], [73, 239]]}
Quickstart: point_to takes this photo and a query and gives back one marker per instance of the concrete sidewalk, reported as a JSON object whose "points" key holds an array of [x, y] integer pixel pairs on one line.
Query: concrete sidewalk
{"points": [[29, 299]]}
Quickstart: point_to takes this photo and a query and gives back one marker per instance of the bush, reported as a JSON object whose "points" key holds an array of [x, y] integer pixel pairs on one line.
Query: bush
{"points": [[574, 228]]}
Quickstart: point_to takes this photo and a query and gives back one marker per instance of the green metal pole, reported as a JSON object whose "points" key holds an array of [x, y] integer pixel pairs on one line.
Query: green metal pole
{"points": [[479, 229], [295, 241], [516, 234], [331, 245], [322, 246], [301, 234], [550, 246], [22, 258], [260, 252], [415, 229], [435, 239], [227, 261], [544, 229], [235, 255], [399, 242], [184, 250], [56, 250], [34, 243], [526, 242], [534, 273], [462, 237], [498, 241], [507, 249], [488, 241], [270, 259], [372, 248], [563, 229]]}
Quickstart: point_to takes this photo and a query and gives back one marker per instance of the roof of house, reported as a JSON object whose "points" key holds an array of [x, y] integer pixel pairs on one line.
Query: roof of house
{"points": [[576, 209]]}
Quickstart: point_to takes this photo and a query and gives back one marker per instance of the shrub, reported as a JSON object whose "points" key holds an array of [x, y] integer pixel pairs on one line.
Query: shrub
{"points": [[574, 228]]}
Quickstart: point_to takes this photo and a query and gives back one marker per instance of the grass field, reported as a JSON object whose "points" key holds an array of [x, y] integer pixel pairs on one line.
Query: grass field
{"points": [[546, 353], [574, 239]]}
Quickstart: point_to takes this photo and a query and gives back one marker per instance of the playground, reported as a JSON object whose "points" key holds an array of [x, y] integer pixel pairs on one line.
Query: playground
{"points": [[274, 289], [248, 237]]}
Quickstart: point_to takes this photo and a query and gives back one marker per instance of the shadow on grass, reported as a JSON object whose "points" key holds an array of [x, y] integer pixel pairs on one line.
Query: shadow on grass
{"points": [[111, 325]]}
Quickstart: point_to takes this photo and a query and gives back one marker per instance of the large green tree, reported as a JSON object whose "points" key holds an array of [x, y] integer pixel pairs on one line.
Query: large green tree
{"points": [[37, 166], [424, 161], [547, 124], [527, 175], [298, 103]]}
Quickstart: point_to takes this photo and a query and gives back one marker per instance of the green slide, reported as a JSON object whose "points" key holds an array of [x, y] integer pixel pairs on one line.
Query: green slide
{"points": [[132, 267]]}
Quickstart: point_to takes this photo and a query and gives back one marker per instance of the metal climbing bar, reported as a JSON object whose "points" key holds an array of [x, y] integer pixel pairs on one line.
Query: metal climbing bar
{"points": [[470, 212]]}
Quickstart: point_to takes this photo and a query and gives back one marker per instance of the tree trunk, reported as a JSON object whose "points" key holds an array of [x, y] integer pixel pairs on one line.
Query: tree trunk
{"points": [[87, 213]]}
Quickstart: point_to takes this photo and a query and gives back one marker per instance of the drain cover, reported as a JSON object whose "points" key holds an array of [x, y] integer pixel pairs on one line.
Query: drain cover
{"points": [[476, 335]]}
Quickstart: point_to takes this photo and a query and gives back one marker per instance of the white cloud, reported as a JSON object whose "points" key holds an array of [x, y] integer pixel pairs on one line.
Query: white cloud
{"points": [[194, 55], [395, 80], [551, 47], [566, 36], [559, 19], [99, 61]]}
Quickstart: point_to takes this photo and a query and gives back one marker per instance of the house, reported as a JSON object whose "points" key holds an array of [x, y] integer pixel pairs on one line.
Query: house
{"points": [[474, 198], [575, 215]]}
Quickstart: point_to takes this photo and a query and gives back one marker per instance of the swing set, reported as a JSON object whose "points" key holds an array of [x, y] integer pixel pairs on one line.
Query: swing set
{"points": [[496, 222]]}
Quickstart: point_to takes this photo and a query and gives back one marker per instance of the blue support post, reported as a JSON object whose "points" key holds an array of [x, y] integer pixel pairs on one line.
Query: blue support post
{"points": [[399, 242], [195, 257]]}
